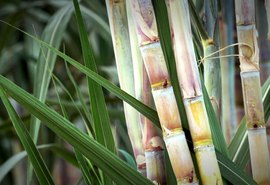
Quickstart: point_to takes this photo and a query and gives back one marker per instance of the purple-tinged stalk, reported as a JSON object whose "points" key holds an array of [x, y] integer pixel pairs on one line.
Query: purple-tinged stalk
{"points": [[120, 36], [152, 140], [190, 84], [251, 86], [162, 91]]}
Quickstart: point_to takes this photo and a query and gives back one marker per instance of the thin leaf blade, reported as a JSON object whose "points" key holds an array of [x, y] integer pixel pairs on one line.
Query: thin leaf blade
{"points": [[39, 166], [142, 108], [107, 161], [98, 106]]}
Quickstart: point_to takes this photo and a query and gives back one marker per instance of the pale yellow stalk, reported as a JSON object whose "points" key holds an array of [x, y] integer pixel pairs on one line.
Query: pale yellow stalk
{"points": [[250, 77], [120, 36], [162, 91], [190, 84]]}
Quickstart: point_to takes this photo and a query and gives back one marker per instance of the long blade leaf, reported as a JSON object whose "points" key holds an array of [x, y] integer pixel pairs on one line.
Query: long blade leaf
{"points": [[231, 172], [9, 164], [53, 34], [40, 168], [97, 101], [142, 108], [107, 161], [81, 161]]}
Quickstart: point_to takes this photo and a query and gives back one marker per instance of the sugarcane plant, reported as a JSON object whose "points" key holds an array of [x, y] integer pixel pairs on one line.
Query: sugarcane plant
{"points": [[120, 35], [152, 139], [150, 161], [162, 91], [192, 93], [250, 77], [164, 116]]}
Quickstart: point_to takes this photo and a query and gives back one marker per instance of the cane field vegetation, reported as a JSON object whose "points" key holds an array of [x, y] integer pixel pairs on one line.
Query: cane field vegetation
{"points": [[134, 92]]}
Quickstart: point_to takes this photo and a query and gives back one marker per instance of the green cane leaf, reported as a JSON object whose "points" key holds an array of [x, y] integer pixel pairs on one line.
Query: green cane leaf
{"points": [[40, 168], [107, 161]]}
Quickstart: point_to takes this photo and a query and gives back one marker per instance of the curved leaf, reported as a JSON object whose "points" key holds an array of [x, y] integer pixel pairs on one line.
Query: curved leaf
{"points": [[9, 164], [53, 34], [107, 161], [231, 172], [128, 158], [97, 101], [142, 108], [81, 160], [40, 168]]}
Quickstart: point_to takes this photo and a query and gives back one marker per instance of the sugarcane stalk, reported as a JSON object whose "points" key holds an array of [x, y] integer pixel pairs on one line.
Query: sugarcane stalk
{"points": [[228, 110], [189, 80], [162, 91], [152, 140], [120, 37], [212, 78], [250, 78]]}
